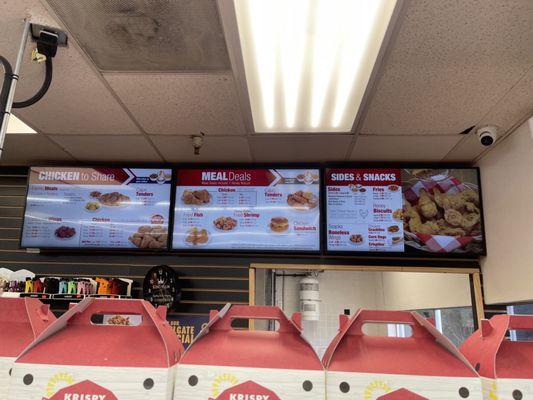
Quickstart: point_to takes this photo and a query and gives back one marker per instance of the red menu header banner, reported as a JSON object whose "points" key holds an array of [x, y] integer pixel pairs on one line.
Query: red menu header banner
{"points": [[364, 177], [226, 177]]}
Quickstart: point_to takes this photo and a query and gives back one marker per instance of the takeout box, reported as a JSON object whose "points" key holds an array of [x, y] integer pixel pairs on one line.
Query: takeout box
{"points": [[22, 320], [505, 366], [85, 354], [224, 363], [425, 365]]}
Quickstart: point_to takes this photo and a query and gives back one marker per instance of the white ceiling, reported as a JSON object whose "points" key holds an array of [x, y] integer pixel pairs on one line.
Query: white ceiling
{"points": [[450, 65]]}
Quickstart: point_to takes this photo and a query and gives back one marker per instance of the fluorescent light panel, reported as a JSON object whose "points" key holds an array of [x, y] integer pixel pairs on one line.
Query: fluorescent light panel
{"points": [[308, 62], [16, 126]]}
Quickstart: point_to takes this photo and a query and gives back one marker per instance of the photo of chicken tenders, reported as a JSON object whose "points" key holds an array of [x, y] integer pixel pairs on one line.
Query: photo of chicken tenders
{"points": [[302, 200], [435, 211]]}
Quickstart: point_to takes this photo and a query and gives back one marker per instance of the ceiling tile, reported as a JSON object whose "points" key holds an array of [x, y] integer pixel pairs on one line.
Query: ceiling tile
{"points": [[510, 112], [108, 148], [467, 150], [181, 104], [402, 148], [215, 149], [147, 35], [305, 148], [449, 64], [78, 101], [25, 149]]}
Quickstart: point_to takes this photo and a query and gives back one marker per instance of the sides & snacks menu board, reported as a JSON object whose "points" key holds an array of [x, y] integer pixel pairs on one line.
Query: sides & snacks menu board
{"points": [[110, 208], [364, 210], [247, 209], [412, 211]]}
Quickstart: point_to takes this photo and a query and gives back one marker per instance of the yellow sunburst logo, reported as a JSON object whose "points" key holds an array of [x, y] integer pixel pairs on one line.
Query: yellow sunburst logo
{"points": [[493, 393], [375, 389], [57, 382], [223, 382]]}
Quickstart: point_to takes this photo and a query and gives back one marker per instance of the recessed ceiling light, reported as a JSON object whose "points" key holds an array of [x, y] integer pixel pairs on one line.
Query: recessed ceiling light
{"points": [[16, 126], [308, 62]]}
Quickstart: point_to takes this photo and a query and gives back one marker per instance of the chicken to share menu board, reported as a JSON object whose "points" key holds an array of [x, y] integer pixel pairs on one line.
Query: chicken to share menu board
{"points": [[247, 209], [413, 211], [111, 208]]}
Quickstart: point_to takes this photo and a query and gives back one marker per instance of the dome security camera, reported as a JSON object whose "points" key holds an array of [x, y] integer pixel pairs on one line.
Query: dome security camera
{"points": [[487, 135]]}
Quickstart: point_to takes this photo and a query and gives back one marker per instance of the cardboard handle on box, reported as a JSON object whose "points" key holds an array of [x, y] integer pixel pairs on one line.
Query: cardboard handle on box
{"points": [[110, 307], [521, 322], [39, 314], [257, 312], [387, 317]]}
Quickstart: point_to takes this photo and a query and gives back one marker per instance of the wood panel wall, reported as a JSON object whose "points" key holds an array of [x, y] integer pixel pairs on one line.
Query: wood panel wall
{"points": [[207, 283]]}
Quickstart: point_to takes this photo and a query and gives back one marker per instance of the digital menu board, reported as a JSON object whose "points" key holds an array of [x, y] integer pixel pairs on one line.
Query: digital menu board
{"points": [[111, 208], [247, 209], [408, 211]]}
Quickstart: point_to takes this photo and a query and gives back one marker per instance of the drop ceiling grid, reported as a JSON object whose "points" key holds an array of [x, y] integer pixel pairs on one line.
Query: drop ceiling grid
{"points": [[113, 148], [510, 104], [508, 114], [63, 110], [147, 35], [24, 149], [406, 148], [181, 103], [466, 63], [73, 42]]}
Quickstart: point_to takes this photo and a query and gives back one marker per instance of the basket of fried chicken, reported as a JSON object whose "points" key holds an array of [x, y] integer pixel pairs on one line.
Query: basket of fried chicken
{"points": [[443, 216]]}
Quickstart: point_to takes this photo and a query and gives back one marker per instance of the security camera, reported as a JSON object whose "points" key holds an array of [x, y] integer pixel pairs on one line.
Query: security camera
{"points": [[487, 135]]}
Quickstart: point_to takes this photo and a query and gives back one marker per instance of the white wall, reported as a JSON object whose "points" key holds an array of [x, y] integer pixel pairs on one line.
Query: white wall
{"points": [[338, 291], [352, 290], [418, 290], [507, 183]]}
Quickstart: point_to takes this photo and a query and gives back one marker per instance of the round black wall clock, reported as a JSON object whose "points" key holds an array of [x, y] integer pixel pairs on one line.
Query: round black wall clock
{"points": [[161, 287]]}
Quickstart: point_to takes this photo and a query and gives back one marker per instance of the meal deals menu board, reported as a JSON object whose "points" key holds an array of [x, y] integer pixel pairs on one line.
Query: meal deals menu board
{"points": [[97, 208], [364, 210], [247, 209]]}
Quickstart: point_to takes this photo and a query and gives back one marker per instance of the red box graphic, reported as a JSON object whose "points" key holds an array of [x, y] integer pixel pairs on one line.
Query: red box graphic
{"points": [[505, 366], [22, 320], [125, 347], [228, 363], [424, 365]]}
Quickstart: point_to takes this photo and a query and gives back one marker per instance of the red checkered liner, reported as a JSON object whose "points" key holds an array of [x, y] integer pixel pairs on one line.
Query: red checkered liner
{"points": [[438, 243], [449, 185]]}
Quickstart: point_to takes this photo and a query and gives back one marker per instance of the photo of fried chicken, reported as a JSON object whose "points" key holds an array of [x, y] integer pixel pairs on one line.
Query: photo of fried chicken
{"points": [[196, 197], [119, 320], [426, 205], [148, 237], [448, 214], [415, 224]]}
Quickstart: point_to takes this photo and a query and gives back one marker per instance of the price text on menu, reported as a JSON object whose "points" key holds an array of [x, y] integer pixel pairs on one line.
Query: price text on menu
{"points": [[364, 210], [97, 208], [247, 209]]}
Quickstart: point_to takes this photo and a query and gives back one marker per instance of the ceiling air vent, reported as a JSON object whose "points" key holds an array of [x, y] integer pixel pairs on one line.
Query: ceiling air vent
{"points": [[147, 35]]}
